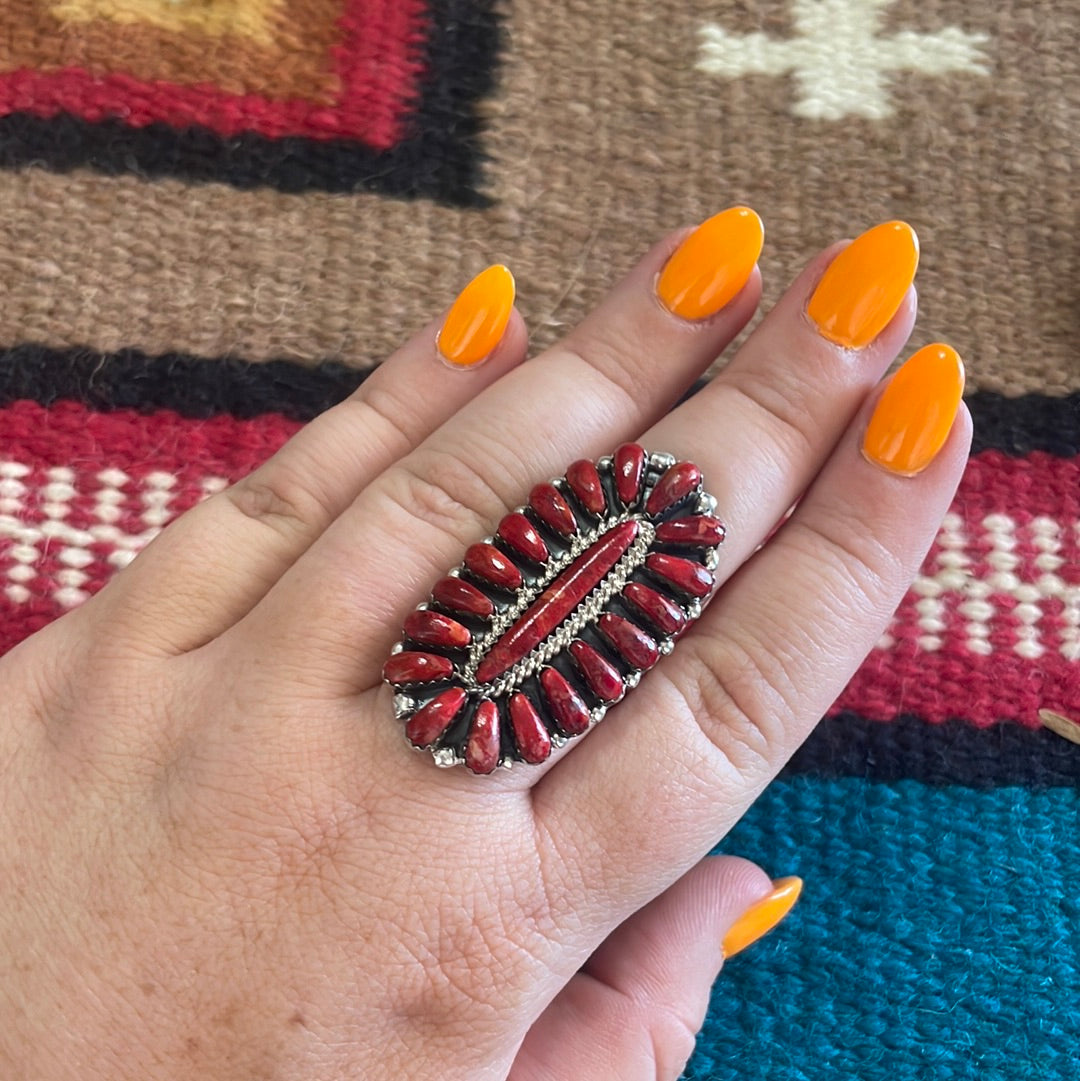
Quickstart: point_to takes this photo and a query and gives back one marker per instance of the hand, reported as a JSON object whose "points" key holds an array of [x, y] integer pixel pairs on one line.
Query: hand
{"points": [[220, 860]]}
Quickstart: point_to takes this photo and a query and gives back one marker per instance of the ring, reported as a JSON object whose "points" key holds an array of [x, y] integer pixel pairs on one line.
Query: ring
{"points": [[545, 626]]}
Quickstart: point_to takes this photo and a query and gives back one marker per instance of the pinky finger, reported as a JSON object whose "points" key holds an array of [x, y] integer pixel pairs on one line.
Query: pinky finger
{"points": [[633, 1011]]}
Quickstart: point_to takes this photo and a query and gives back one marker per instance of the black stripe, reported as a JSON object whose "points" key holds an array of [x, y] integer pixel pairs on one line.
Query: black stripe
{"points": [[951, 753], [187, 385], [1019, 426], [197, 387], [441, 160]]}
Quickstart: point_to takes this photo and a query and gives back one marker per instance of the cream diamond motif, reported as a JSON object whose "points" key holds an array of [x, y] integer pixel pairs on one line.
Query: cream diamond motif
{"points": [[840, 60]]}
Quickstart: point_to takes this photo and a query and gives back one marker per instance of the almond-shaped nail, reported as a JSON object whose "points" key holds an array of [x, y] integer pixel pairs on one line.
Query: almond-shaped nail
{"points": [[865, 284], [712, 264], [760, 918], [914, 415], [477, 320]]}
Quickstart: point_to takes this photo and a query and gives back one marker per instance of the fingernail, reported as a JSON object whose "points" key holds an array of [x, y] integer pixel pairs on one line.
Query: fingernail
{"points": [[865, 284], [712, 264], [759, 919], [477, 320], [915, 414]]}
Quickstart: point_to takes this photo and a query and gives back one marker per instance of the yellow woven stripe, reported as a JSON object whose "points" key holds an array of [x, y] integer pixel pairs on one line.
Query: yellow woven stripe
{"points": [[214, 18]]}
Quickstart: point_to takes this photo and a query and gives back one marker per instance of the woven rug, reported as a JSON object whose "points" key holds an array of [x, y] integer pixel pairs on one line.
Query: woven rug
{"points": [[217, 216]]}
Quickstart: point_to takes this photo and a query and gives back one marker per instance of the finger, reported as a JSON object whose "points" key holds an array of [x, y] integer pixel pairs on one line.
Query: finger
{"points": [[213, 564], [715, 722], [764, 425], [634, 1009], [778, 409], [624, 366]]}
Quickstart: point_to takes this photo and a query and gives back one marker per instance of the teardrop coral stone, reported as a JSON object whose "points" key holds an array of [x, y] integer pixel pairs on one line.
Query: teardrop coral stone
{"points": [[677, 483], [532, 738], [427, 724], [566, 706], [601, 676], [482, 746], [404, 668], [487, 562], [434, 629], [665, 615], [697, 531], [684, 574], [585, 483], [633, 644], [629, 465], [522, 536], [462, 597], [549, 506]]}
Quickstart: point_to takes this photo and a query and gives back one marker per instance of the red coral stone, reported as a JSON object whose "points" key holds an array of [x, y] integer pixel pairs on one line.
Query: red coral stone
{"points": [[404, 668], [428, 723], [550, 507], [629, 465], [432, 629], [482, 746], [601, 676], [632, 643], [585, 483], [679, 481], [556, 602], [569, 711], [663, 614], [522, 536], [487, 562], [463, 597], [697, 531], [684, 574], [532, 738]]}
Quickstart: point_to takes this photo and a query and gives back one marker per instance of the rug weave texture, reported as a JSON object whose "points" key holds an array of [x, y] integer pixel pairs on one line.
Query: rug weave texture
{"points": [[217, 218]]}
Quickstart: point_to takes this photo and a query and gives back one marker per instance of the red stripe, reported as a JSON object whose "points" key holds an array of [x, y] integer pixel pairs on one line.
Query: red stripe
{"points": [[377, 61], [69, 434], [906, 679], [954, 680]]}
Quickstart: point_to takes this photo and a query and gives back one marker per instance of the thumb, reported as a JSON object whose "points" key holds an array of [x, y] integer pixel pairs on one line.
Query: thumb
{"points": [[634, 1009]]}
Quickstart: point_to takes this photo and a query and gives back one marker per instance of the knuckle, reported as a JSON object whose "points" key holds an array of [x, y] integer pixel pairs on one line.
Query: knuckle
{"points": [[740, 698], [673, 1040], [611, 362], [274, 497], [447, 491], [378, 408], [474, 959], [855, 564], [782, 408]]}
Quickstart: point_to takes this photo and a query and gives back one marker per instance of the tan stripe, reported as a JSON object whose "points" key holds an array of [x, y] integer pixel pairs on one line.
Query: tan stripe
{"points": [[597, 152], [280, 61]]}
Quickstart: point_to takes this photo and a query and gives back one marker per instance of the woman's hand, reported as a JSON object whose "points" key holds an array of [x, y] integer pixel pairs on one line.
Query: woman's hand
{"points": [[218, 857]]}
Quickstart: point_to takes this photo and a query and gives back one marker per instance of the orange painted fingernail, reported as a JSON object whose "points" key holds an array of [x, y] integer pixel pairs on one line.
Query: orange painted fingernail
{"points": [[865, 284], [712, 264], [759, 919], [915, 414], [477, 320]]}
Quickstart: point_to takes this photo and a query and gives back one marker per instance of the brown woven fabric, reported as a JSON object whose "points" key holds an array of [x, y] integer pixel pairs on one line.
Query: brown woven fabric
{"points": [[604, 134]]}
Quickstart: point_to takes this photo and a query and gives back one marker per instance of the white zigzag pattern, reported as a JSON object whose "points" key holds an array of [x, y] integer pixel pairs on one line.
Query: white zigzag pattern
{"points": [[30, 528]]}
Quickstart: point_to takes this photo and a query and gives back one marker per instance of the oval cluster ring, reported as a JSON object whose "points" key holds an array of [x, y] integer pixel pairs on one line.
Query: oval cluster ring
{"points": [[546, 625]]}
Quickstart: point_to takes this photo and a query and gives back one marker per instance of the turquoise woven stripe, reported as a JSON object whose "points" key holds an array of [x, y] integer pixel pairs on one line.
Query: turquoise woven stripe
{"points": [[938, 936]]}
